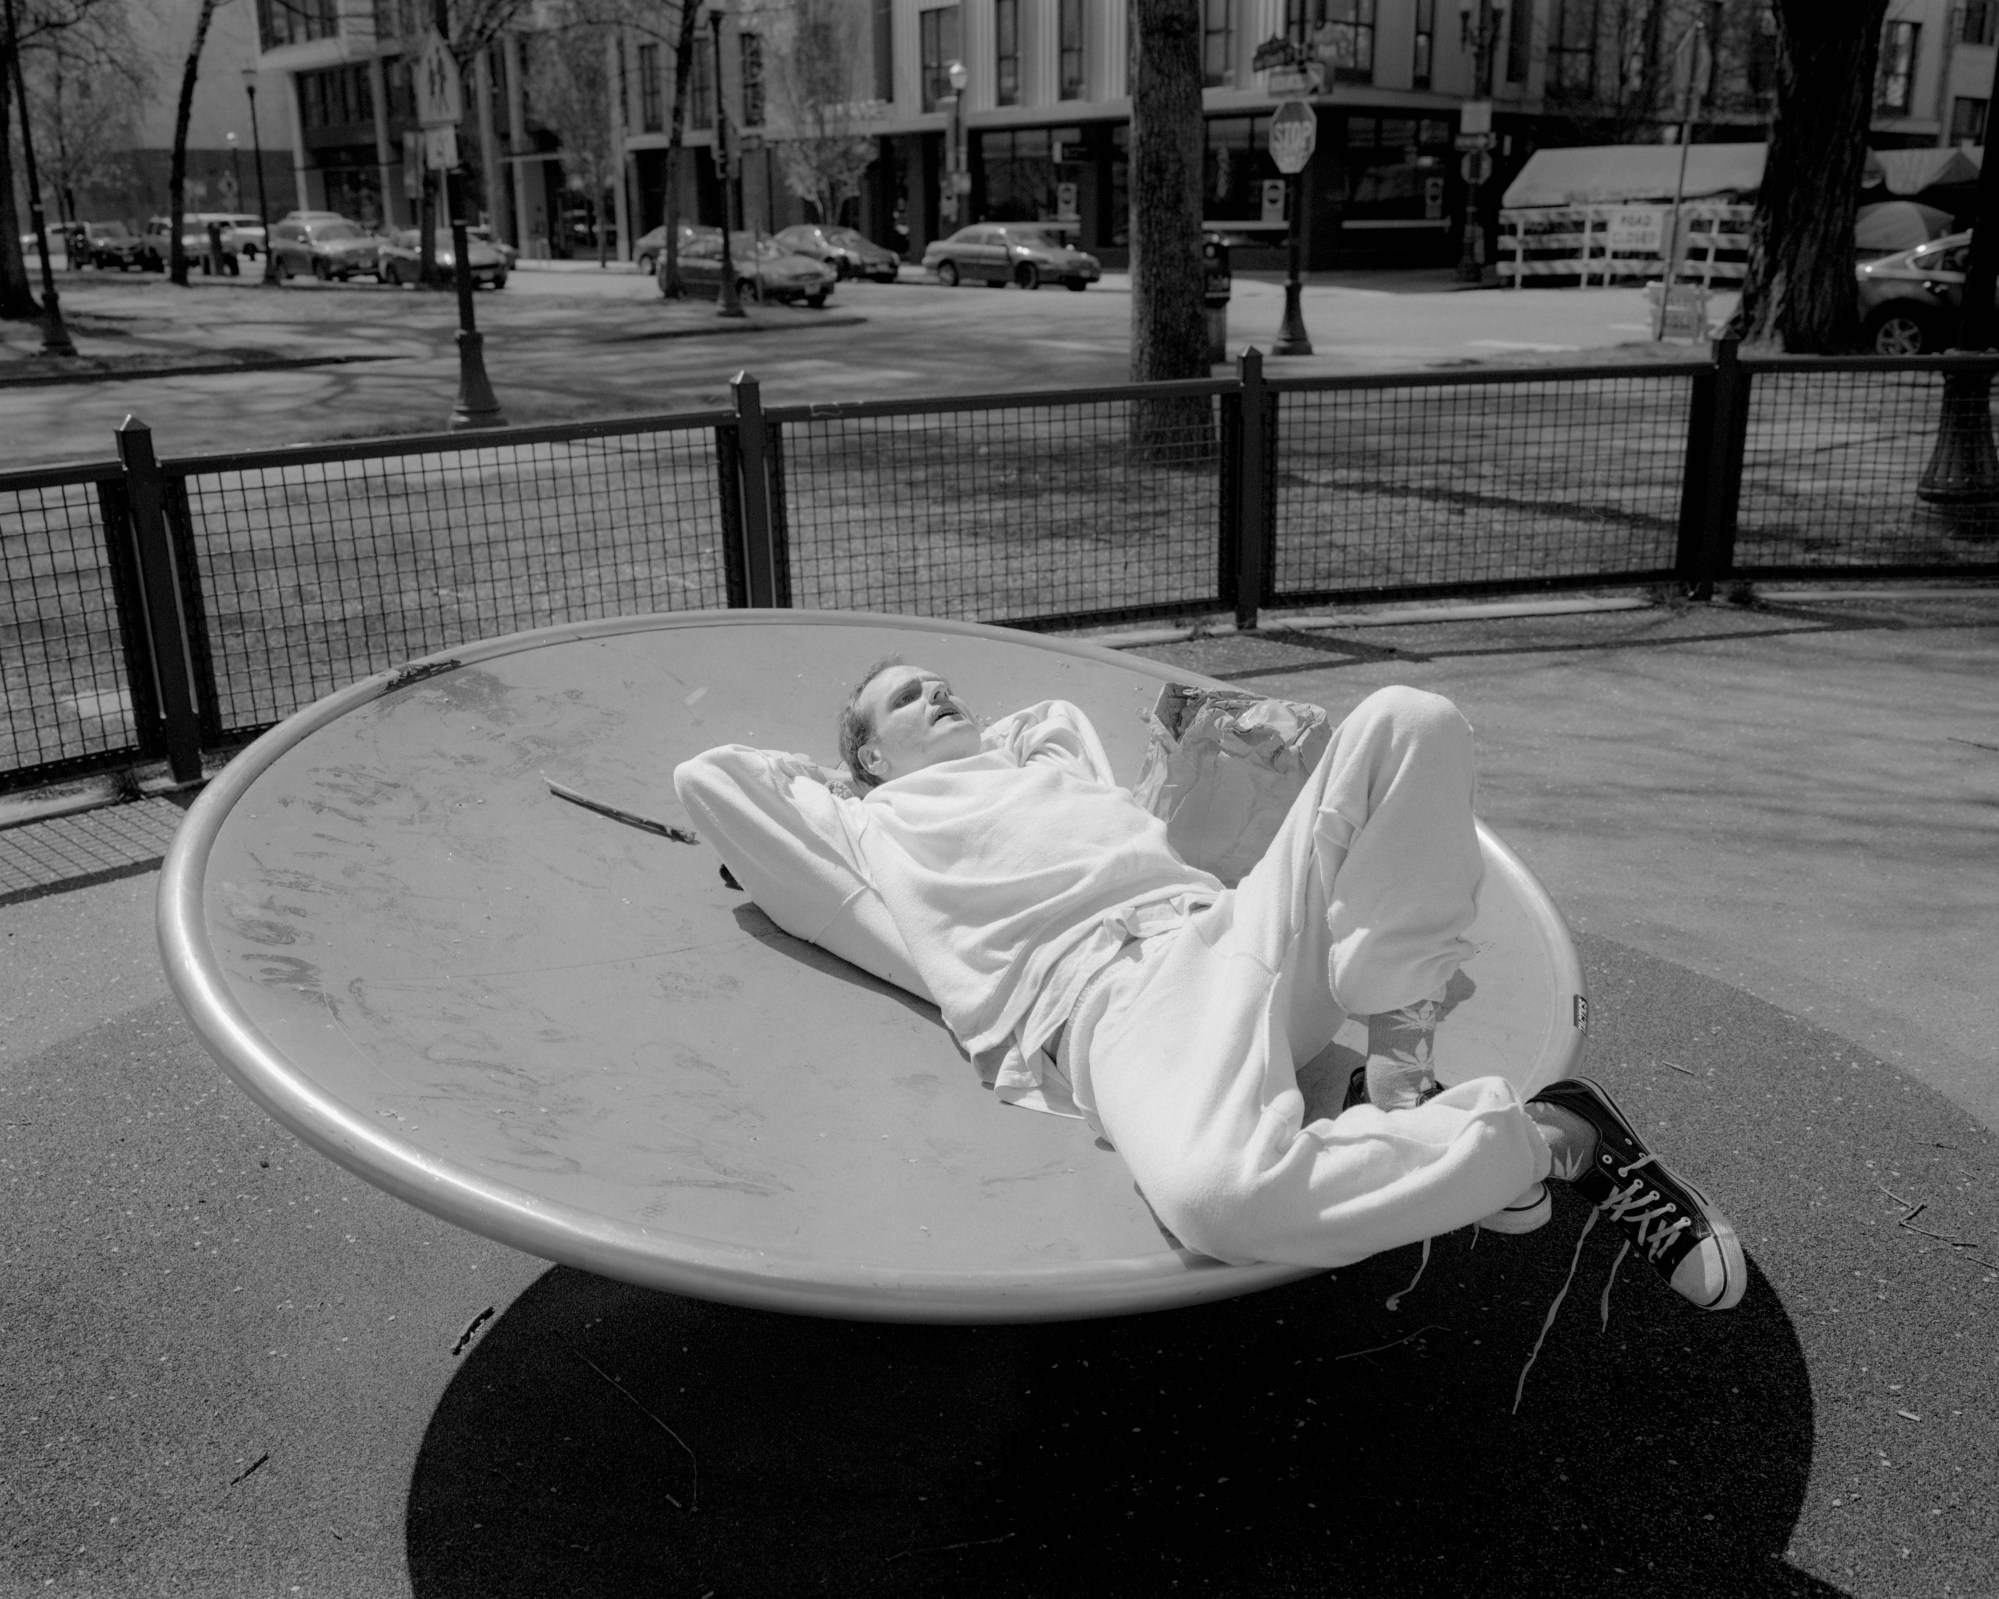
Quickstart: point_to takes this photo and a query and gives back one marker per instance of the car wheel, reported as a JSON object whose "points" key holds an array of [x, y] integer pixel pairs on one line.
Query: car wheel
{"points": [[1075, 285], [818, 301], [947, 274], [321, 270], [1900, 330], [1027, 276], [280, 269], [749, 289], [499, 280], [647, 263]]}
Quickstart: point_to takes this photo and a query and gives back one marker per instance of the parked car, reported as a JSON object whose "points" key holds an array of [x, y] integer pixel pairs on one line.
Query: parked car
{"points": [[242, 233], [1909, 301], [506, 251], [649, 245], [400, 258], [105, 245], [849, 252], [763, 271], [157, 237], [325, 245], [1010, 252]]}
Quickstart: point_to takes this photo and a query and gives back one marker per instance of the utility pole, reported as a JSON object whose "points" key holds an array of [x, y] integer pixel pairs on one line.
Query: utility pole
{"points": [[55, 337]]}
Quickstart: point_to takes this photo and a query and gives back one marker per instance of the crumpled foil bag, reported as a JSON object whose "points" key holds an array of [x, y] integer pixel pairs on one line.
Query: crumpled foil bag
{"points": [[1222, 769]]}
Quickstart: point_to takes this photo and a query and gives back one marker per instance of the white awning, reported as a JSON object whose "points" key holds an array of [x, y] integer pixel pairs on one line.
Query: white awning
{"points": [[1614, 174]]}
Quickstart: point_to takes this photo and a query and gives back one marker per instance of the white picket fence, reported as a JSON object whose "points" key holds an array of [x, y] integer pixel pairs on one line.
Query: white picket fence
{"points": [[1622, 243]]}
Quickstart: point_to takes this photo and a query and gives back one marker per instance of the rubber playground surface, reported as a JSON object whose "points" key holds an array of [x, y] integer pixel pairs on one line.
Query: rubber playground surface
{"points": [[233, 1369]]}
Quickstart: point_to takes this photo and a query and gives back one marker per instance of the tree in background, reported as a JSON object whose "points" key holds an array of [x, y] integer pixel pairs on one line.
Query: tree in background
{"points": [[1798, 291], [1169, 337], [38, 24], [570, 83], [177, 170], [85, 87], [1617, 70], [816, 66]]}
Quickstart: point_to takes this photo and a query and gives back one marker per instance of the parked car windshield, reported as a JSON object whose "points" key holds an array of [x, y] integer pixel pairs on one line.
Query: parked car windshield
{"points": [[329, 232], [1038, 239]]}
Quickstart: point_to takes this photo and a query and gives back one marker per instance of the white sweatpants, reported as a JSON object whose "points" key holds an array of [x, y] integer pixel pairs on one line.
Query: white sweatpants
{"points": [[1183, 1050]]}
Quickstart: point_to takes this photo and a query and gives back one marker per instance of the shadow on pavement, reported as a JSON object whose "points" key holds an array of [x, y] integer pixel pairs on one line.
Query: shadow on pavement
{"points": [[1271, 1445]]}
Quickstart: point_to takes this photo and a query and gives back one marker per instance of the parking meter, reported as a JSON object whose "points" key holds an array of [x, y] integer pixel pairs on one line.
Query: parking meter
{"points": [[1220, 284]]}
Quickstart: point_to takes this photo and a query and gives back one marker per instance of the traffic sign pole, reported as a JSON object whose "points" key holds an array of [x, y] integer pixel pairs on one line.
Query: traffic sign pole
{"points": [[1293, 133]]}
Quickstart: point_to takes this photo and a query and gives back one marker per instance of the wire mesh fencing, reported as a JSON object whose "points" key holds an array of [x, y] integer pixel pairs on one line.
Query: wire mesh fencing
{"points": [[1036, 514], [1832, 466], [65, 678], [1393, 486], [321, 570]]}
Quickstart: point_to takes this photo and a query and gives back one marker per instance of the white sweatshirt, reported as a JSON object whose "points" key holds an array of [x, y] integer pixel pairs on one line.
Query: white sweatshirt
{"points": [[967, 883]]}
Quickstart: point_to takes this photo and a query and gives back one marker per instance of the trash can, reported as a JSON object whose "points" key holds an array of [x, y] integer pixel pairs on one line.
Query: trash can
{"points": [[1215, 297]]}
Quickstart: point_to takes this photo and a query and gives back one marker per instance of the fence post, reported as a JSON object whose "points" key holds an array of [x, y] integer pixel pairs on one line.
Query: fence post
{"points": [[1729, 439], [1257, 494], [159, 585], [1688, 555], [760, 552]]}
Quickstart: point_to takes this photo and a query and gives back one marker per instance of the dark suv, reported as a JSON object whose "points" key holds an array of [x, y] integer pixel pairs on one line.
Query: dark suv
{"points": [[106, 245]]}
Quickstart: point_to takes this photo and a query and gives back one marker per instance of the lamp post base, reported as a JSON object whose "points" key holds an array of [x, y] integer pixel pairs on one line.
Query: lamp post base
{"points": [[1962, 477], [55, 337], [477, 405], [1471, 262], [1292, 338]]}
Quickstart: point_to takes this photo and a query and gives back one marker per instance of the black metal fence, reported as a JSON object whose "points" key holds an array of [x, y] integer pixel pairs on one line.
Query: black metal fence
{"points": [[155, 608]]}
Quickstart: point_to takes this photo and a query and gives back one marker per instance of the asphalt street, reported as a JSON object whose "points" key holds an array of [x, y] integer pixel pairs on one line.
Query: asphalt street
{"points": [[233, 1369], [580, 343]]}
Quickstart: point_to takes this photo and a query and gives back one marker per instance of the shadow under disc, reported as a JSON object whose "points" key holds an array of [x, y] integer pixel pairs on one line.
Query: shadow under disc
{"points": [[604, 1438]]}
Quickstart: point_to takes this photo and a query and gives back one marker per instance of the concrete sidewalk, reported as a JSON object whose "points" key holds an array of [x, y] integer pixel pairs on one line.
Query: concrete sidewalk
{"points": [[235, 1370]]}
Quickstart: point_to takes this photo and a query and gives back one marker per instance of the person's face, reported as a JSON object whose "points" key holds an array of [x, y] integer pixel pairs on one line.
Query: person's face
{"points": [[918, 722]]}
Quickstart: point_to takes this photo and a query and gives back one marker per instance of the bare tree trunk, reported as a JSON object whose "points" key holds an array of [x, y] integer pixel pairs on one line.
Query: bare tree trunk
{"points": [[1798, 291], [683, 70], [1168, 139], [177, 178], [17, 295]]}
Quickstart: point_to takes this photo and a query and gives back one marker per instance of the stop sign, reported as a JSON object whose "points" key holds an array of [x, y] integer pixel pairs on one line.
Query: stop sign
{"points": [[1294, 130]]}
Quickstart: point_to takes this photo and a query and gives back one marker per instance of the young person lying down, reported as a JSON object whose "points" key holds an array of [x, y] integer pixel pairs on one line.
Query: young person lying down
{"points": [[1001, 872]]}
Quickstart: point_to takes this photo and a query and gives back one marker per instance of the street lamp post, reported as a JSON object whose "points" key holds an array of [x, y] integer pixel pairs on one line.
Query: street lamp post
{"points": [[731, 302], [1480, 37], [235, 168], [270, 278], [956, 176], [55, 337]]}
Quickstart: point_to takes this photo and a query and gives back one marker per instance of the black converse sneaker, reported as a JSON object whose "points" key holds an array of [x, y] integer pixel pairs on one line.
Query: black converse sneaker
{"points": [[1668, 1220]]}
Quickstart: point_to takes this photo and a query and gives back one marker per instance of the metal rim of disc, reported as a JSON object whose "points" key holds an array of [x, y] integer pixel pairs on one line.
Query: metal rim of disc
{"points": [[652, 1257]]}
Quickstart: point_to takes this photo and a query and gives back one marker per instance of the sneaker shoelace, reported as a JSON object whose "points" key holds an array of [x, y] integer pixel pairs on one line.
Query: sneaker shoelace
{"points": [[1627, 1207]]}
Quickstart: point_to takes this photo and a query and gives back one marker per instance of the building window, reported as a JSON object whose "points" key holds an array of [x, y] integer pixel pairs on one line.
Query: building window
{"points": [[339, 97], [884, 40], [1896, 85], [753, 79], [1975, 21], [1340, 34], [1070, 50], [1426, 44], [937, 37], [1967, 121], [1519, 39], [701, 89], [1394, 168], [1572, 50], [652, 101], [1217, 42], [1017, 172], [1006, 52], [400, 19], [283, 22]]}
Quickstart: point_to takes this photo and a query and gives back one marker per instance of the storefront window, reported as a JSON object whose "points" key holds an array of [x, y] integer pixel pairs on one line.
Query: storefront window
{"points": [[1237, 166], [1392, 168], [937, 37], [1018, 173]]}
